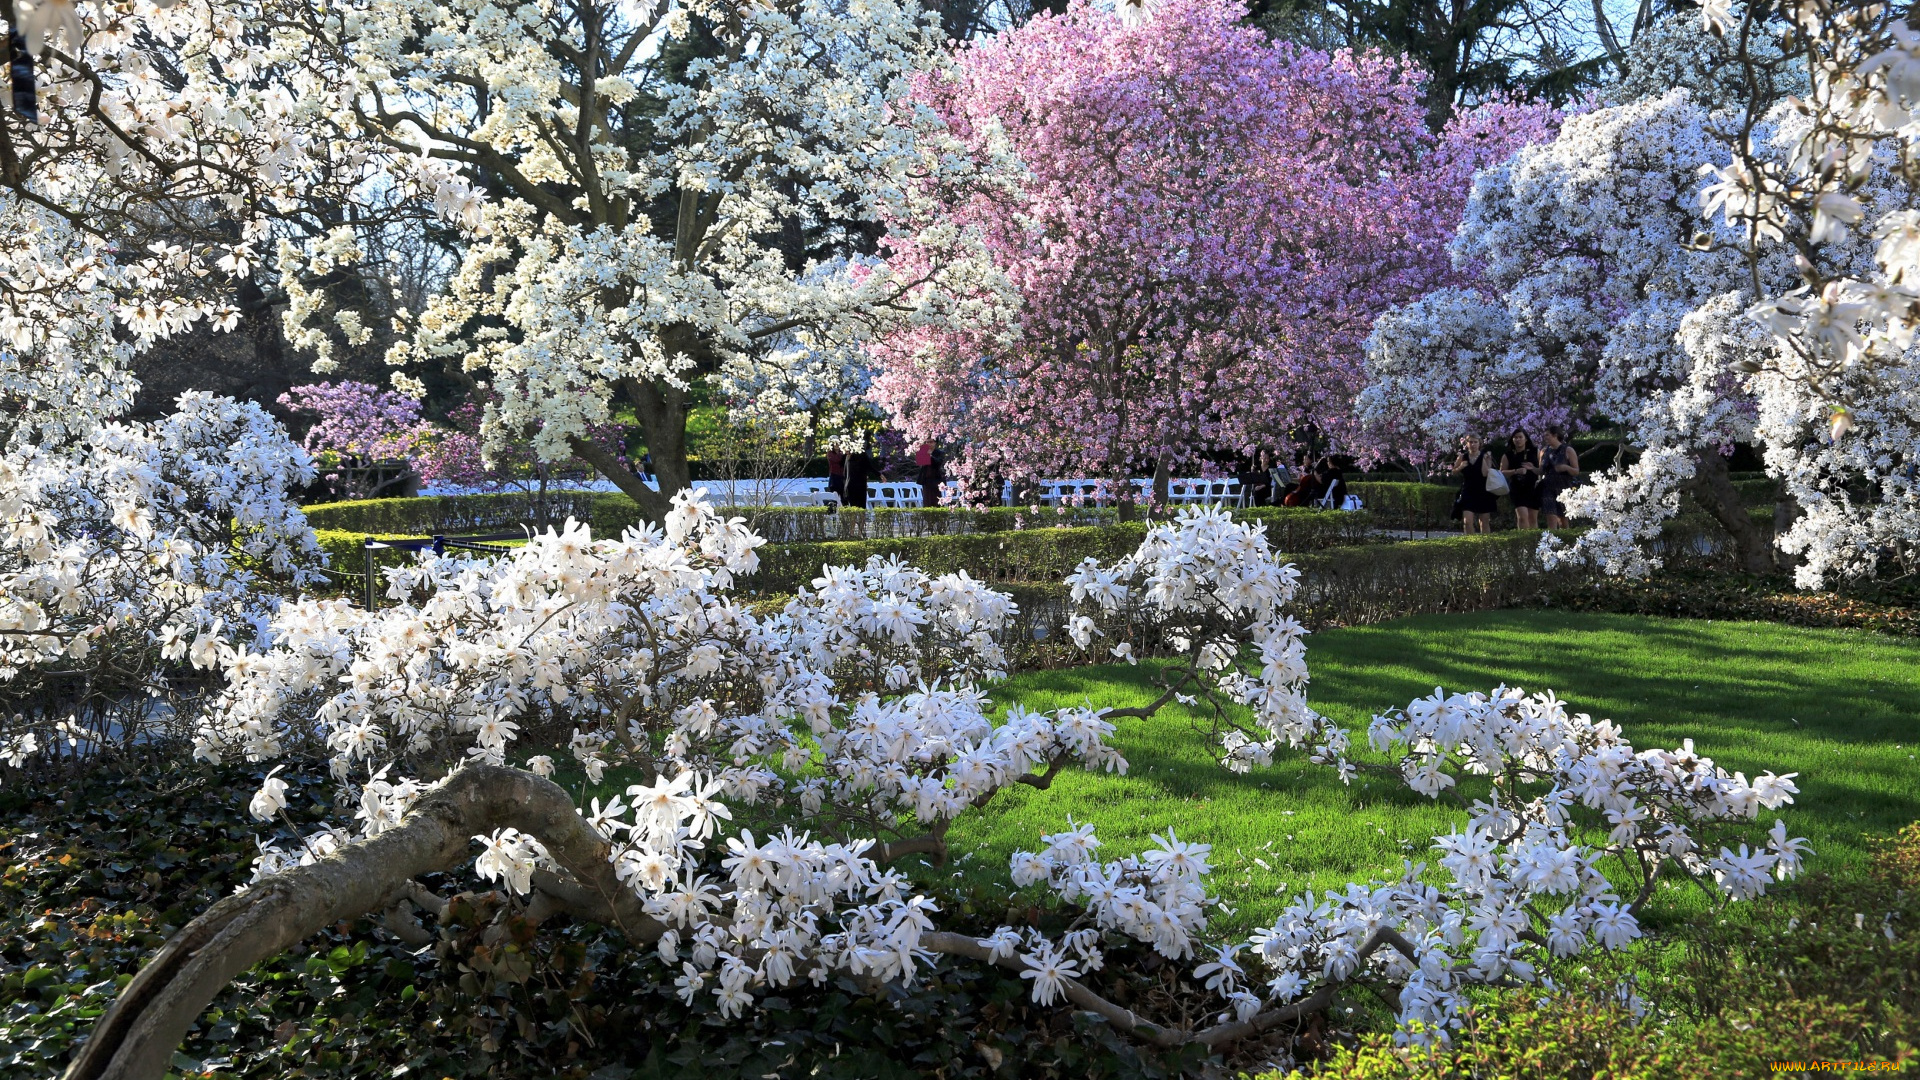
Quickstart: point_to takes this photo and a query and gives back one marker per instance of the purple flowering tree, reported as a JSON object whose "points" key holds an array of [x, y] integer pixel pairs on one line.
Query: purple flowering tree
{"points": [[361, 432]]}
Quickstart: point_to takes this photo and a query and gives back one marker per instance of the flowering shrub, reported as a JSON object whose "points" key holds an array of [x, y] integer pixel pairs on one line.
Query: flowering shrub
{"points": [[1704, 280], [358, 418], [130, 551], [460, 456], [850, 722]]}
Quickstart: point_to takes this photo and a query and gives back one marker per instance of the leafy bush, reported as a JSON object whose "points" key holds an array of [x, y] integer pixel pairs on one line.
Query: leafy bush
{"points": [[447, 514], [1578, 1038], [1705, 593], [1824, 969], [1422, 507], [1376, 582]]}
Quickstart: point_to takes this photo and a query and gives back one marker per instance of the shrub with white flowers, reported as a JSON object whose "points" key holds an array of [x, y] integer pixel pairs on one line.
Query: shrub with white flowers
{"points": [[850, 726], [130, 556]]}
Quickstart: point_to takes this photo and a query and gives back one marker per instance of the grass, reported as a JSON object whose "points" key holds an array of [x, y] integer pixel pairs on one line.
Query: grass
{"points": [[1841, 708]]}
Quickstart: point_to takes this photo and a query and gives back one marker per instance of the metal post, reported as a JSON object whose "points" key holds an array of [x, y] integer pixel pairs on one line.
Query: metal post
{"points": [[367, 546]]}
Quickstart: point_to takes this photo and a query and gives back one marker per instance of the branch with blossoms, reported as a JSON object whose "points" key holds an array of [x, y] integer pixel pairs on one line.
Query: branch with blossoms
{"points": [[1819, 194], [1210, 591], [849, 716]]}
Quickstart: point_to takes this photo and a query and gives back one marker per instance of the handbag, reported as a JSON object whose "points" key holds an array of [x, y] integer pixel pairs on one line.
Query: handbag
{"points": [[1497, 482]]}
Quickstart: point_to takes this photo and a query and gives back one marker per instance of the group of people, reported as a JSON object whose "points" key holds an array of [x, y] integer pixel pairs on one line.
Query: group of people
{"points": [[849, 474], [1533, 477], [1274, 482]]}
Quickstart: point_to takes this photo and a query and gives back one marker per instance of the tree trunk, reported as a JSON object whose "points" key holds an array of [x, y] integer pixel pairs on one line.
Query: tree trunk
{"points": [[1713, 490], [662, 409], [138, 1036], [1162, 484], [653, 505]]}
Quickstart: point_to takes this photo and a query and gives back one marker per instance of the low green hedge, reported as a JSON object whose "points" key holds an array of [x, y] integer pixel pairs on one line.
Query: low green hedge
{"points": [[1290, 528], [1022, 555], [346, 556], [1715, 593], [448, 514], [1420, 507], [1340, 585]]}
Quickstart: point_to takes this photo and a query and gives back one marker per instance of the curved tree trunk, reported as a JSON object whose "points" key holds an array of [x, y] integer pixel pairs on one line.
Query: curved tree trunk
{"points": [[138, 1036], [1713, 490]]}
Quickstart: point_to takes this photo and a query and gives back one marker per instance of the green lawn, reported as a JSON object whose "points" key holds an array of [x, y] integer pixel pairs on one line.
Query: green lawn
{"points": [[1841, 708]]}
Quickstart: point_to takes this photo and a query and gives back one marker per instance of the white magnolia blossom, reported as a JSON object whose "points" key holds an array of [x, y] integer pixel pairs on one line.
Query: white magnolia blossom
{"points": [[1211, 588], [134, 553], [1701, 288], [1604, 295], [690, 222], [1838, 390], [851, 718]]}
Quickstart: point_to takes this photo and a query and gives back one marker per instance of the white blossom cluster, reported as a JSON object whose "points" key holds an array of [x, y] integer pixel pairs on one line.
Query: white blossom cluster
{"points": [[1700, 281], [133, 549], [1574, 814], [1673, 53], [1583, 251], [1833, 190], [168, 140], [1209, 588], [645, 245]]}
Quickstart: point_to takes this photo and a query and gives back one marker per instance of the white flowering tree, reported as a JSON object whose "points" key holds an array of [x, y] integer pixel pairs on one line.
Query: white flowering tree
{"points": [[139, 183], [852, 725], [1701, 280], [1836, 385], [650, 195]]}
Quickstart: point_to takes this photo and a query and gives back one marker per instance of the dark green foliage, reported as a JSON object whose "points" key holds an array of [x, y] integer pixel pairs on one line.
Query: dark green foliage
{"points": [[1718, 594]]}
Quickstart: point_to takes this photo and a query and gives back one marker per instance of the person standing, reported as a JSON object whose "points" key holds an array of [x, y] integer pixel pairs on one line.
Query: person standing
{"points": [[1559, 470], [1256, 483], [928, 463], [836, 476], [1333, 485], [1521, 466], [859, 467], [1477, 504]]}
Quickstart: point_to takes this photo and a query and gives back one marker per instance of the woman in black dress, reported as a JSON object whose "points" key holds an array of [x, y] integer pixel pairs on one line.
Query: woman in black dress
{"points": [[1559, 470], [1476, 502], [1521, 466]]}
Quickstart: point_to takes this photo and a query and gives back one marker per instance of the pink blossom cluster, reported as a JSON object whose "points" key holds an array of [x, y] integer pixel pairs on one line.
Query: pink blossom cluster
{"points": [[1207, 226], [360, 418]]}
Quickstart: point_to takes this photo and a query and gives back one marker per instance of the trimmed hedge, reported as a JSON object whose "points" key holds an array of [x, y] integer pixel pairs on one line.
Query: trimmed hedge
{"points": [[1359, 583], [1702, 593], [1374, 582], [1025, 555], [448, 514], [1290, 528]]}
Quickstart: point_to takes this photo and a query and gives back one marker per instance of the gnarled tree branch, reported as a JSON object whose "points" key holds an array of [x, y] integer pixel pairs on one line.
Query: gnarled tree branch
{"points": [[137, 1037]]}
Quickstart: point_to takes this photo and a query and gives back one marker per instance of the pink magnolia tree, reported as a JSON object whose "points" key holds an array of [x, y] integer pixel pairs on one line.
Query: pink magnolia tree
{"points": [[357, 420], [1207, 226]]}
